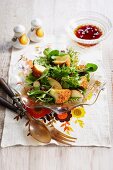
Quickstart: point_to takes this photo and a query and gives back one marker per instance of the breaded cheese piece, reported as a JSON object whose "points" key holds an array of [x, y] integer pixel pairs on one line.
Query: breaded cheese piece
{"points": [[60, 95], [38, 70]]}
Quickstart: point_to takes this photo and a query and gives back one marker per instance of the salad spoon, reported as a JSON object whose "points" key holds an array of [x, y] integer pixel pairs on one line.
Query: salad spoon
{"points": [[37, 129]]}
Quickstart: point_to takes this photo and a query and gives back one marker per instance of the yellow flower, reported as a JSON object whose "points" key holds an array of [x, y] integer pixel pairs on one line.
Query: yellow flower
{"points": [[78, 112]]}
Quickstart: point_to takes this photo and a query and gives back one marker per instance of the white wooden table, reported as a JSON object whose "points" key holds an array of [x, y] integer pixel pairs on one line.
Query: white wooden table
{"points": [[55, 14]]}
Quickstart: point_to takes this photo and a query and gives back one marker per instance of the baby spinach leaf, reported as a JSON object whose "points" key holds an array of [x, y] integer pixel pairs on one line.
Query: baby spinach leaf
{"points": [[62, 53], [47, 51], [50, 54], [91, 67], [54, 53]]}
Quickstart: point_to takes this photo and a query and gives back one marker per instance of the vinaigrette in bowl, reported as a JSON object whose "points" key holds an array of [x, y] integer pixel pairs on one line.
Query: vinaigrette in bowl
{"points": [[89, 28]]}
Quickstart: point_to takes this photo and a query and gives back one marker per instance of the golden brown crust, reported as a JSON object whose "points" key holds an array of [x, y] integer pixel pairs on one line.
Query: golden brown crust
{"points": [[68, 62], [81, 67], [63, 96], [36, 72], [84, 82]]}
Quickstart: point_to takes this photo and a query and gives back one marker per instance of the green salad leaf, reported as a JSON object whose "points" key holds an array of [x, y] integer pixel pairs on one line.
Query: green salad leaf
{"points": [[44, 74], [44, 83], [91, 67], [74, 56], [58, 72], [42, 61], [50, 54], [54, 53], [47, 51], [35, 92], [41, 95], [30, 79], [70, 82]]}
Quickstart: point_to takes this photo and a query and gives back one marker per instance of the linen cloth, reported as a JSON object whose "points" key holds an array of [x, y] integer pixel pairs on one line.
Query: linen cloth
{"points": [[96, 121]]}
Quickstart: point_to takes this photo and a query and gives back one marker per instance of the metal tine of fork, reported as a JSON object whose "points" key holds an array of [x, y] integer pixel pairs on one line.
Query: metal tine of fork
{"points": [[64, 138], [61, 141], [64, 135]]}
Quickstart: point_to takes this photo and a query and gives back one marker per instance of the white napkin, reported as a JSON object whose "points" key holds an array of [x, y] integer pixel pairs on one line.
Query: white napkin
{"points": [[96, 121]]}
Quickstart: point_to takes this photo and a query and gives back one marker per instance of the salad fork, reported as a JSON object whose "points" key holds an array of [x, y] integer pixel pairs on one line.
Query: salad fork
{"points": [[60, 137]]}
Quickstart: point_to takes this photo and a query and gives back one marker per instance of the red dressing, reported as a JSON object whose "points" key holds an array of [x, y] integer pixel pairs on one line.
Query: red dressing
{"points": [[88, 32]]}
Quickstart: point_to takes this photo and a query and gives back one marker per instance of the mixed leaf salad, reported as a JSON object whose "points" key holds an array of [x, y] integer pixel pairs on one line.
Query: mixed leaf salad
{"points": [[57, 77]]}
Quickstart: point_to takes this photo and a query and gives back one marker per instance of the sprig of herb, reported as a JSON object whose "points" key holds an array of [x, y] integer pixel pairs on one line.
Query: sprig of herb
{"points": [[74, 56]]}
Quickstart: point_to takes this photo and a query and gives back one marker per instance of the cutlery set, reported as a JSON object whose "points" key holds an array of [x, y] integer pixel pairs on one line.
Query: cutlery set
{"points": [[37, 129]]}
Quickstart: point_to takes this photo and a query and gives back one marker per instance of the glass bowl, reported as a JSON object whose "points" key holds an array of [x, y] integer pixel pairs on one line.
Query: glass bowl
{"points": [[89, 18]]}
